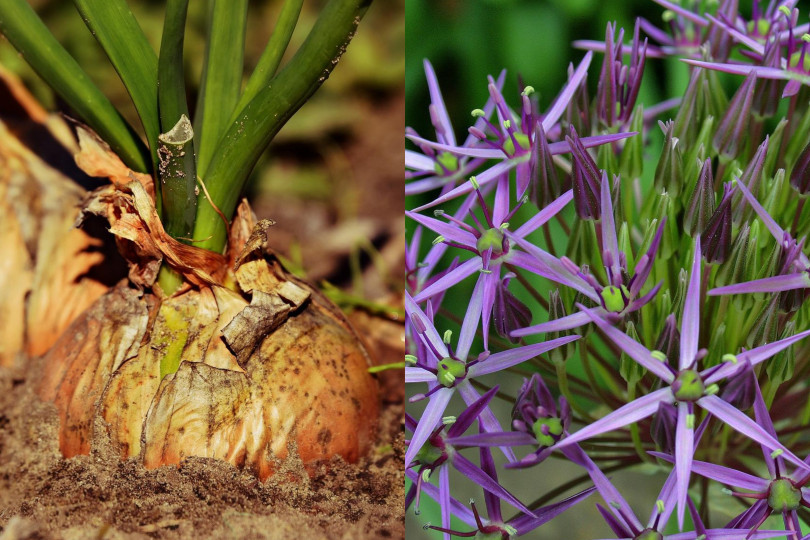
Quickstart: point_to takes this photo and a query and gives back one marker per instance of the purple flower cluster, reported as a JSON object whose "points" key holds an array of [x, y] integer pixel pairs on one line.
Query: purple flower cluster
{"points": [[654, 321]]}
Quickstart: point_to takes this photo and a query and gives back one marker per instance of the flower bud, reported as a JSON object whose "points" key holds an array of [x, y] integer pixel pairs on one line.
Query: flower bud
{"points": [[780, 368], [716, 238], [669, 172], [701, 202], [508, 312], [586, 179], [663, 426], [544, 184], [731, 131]]}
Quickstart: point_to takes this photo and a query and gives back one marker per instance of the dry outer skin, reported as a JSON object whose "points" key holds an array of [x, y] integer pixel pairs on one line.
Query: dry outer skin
{"points": [[100, 495]]}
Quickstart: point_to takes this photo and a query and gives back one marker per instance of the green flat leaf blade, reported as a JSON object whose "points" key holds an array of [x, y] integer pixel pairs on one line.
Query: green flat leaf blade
{"points": [[20, 24]]}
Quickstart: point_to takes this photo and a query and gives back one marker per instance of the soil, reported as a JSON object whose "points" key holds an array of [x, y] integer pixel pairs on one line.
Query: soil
{"points": [[44, 496]]}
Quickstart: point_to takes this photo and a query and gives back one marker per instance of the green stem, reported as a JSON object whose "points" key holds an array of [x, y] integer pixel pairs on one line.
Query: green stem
{"points": [[177, 179], [116, 30], [273, 52], [263, 117], [169, 280], [27, 33], [221, 77]]}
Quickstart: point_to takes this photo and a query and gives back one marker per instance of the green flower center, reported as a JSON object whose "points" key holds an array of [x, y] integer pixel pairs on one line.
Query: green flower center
{"points": [[449, 370], [761, 26], [783, 496], [649, 534], [492, 238], [613, 298], [428, 454], [796, 57], [488, 535], [544, 428], [522, 140], [446, 163], [688, 386]]}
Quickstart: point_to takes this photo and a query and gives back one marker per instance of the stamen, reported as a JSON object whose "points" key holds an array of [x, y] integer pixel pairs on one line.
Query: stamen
{"points": [[410, 359], [448, 420], [527, 91], [438, 240], [447, 338], [478, 113], [776, 453]]}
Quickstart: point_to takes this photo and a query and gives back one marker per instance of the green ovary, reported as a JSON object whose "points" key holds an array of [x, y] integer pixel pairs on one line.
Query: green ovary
{"points": [[449, 370], [614, 298], [492, 238], [554, 427], [649, 534], [688, 386], [522, 140], [796, 57], [428, 454], [446, 163], [782, 496]]}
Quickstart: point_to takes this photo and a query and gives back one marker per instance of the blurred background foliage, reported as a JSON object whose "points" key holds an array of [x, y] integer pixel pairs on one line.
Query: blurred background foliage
{"points": [[331, 178]]}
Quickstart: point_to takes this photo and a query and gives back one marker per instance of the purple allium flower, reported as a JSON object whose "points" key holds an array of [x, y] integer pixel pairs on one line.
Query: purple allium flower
{"points": [[446, 371], [494, 527], [686, 387], [795, 270], [438, 451], [513, 142], [619, 84], [431, 169], [779, 493], [491, 243], [619, 296]]}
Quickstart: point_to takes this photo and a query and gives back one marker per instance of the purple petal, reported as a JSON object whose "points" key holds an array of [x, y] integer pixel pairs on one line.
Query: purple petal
{"points": [[742, 69], [568, 91], [684, 452], [632, 412], [787, 282], [487, 176], [449, 231], [741, 423], [525, 524], [484, 153], [486, 419], [633, 348], [512, 357], [545, 214], [755, 356], [686, 14], [552, 268], [724, 475], [465, 419], [562, 147], [506, 438], [430, 417], [438, 104], [417, 375], [418, 161], [471, 471], [575, 320], [430, 333], [459, 510], [609, 241], [464, 270], [749, 42], [603, 485], [470, 323], [690, 321], [444, 498]]}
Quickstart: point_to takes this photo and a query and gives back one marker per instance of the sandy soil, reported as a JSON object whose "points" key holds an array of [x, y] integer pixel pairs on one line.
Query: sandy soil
{"points": [[43, 495]]}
